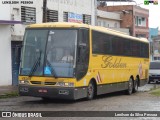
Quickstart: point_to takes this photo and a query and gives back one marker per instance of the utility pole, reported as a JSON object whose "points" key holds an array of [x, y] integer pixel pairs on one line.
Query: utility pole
{"points": [[44, 11], [95, 11]]}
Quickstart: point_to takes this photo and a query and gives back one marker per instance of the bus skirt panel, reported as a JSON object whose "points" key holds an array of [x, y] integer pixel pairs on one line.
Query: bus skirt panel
{"points": [[71, 93]]}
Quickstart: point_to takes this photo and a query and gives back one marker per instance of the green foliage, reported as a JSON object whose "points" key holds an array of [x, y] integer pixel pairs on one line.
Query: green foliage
{"points": [[10, 94], [155, 92]]}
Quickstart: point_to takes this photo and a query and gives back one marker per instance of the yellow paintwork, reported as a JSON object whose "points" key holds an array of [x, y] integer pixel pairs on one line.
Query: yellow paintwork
{"points": [[129, 66]]}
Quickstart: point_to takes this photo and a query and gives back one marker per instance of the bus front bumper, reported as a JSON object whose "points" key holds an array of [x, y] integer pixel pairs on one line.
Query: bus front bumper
{"points": [[71, 93]]}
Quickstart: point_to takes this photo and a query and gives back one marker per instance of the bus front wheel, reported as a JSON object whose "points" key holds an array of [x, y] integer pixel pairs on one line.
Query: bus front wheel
{"points": [[90, 90]]}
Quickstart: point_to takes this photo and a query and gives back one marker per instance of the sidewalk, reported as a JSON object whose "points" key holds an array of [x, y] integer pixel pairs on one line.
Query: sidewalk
{"points": [[8, 89]]}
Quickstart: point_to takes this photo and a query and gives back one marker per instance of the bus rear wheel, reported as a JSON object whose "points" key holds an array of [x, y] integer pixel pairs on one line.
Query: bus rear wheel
{"points": [[135, 89], [130, 87], [90, 91]]}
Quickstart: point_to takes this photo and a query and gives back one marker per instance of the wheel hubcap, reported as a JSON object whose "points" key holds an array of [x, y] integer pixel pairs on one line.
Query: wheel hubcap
{"points": [[136, 86], [130, 86], [90, 90]]}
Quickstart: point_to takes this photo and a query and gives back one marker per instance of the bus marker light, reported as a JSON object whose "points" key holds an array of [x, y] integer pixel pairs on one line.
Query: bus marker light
{"points": [[45, 91], [39, 90]]}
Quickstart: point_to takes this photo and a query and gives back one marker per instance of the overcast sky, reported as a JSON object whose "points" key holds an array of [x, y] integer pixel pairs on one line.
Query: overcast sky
{"points": [[154, 11]]}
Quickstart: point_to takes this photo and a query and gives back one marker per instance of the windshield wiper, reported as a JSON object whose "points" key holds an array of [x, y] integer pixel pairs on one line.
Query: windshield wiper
{"points": [[52, 69], [36, 63]]}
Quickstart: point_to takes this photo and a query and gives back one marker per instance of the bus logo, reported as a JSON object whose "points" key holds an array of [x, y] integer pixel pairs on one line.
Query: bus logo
{"points": [[6, 114], [147, 2], [109, 62]]}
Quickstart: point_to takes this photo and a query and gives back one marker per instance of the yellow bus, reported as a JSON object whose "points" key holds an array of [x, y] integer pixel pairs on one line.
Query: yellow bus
{"points": [[73, 61]]}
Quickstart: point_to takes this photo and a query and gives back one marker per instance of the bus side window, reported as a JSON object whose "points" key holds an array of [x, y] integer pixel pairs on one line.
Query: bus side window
{"points": [[83, 46], [82, 53], [127, 48]]}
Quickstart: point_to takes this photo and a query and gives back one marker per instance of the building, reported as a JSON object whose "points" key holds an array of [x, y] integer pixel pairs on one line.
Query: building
{"points": [[110, 20], [57, 11], [156, 47], [5, 50], [5, 44], [154, 43], [133, 17], [154, 39], [153, 32], [18, 15]]}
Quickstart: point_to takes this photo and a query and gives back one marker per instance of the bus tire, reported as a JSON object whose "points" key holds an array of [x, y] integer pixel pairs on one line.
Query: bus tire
{"points": [[135, 89], [90, 90], [130, 87], [149, 81]]}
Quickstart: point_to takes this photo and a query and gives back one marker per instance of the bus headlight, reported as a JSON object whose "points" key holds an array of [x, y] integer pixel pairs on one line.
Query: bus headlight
{"points": [[65, 84], [25, 82], [71, 85]]}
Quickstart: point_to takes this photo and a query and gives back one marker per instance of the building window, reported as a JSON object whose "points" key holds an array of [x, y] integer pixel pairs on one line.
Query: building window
{"points": [[141, 35], [139, 22], [143, 19], [115, 25], [99, 23], [87, 19], [104, 24], [28, 14], [65, 16], [52, 16]]}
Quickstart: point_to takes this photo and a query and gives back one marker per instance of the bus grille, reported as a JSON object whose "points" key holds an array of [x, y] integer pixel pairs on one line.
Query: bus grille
{"points": [[36, 82], [50, 83], [45, 83]]}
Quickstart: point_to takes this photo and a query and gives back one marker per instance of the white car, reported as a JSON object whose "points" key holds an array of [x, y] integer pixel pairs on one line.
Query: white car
{"points": [[154, 72]]}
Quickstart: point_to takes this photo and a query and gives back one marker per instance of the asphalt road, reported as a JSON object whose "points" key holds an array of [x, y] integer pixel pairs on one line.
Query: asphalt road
{"points": [[140, 101]]}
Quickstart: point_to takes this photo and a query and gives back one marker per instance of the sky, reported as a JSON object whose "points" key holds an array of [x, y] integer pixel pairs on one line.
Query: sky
{"points": [[154, 11]]}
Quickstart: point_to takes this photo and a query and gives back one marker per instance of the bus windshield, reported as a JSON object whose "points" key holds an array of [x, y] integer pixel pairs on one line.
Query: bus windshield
{"points": [[49, 53]]}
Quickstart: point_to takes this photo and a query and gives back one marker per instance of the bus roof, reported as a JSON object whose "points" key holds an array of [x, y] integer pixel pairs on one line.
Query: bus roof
{"points": [[59, 25], [78, 25], [117, 33]]}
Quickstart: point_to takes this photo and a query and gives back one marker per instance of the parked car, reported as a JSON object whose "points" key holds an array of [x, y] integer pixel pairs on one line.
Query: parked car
{"points": [[154, 72]]}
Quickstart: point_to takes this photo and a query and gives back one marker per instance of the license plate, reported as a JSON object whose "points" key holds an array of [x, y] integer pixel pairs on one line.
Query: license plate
{"points": [[42, 91]]}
